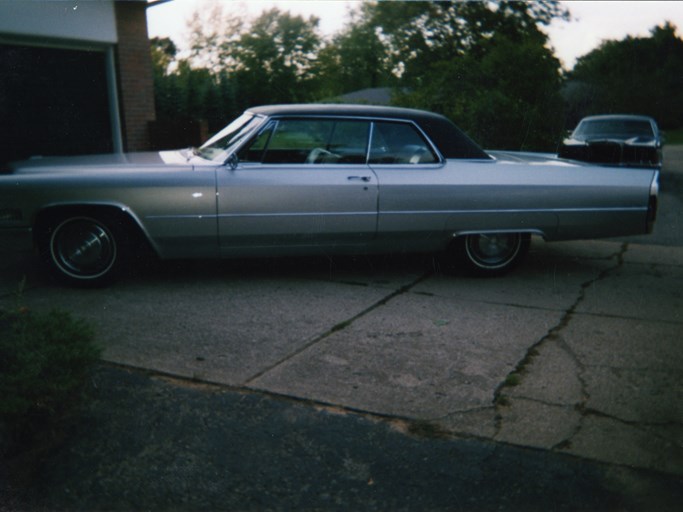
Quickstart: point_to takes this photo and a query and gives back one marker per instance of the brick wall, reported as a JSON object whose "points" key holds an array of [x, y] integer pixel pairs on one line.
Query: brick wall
{"points": [[135, 79]]}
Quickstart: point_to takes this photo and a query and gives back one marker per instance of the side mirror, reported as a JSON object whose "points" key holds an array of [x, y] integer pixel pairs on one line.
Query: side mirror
{"points": [[233, 161]]}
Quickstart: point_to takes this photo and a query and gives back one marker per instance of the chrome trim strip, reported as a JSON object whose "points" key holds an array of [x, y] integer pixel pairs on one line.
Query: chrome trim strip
{"points": [[194, 216], [274, 214], [301, 214], [539, 210], [403, 212]]}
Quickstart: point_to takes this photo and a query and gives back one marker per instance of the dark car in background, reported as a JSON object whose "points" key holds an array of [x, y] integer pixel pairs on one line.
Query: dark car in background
{"points": [[627, 140]]}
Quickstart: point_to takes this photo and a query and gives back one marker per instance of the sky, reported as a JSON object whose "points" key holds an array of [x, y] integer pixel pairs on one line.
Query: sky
{"points": [[592, 21]]}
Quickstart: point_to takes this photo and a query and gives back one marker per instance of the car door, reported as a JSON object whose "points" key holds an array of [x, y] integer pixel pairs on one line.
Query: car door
{"points": [[424, 200], [413, 203], [301, 185]]}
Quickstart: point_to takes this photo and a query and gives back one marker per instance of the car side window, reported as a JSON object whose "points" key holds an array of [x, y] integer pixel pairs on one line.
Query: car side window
{"points": [[309, 141], [399, 143], [293, 140], [348, 142], [254, 151]]}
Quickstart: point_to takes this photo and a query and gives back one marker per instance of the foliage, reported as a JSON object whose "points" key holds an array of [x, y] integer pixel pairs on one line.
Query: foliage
{"points": [[637, 75], [44, 362], [674, 136], [487, 65], [182, 91], [235, 63], [274, 59], [421, 33], [354, 59], [484, 64]]}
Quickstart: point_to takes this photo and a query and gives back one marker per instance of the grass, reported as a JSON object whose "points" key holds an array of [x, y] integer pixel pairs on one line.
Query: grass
{"points": [[514, 379], [673, 136]]}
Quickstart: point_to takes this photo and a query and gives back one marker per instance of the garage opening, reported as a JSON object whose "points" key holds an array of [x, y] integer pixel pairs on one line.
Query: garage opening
{"points": [[53, 101]]}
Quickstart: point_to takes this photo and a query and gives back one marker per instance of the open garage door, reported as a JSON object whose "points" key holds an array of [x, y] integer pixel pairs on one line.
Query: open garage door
{"points": [[53, 101]]}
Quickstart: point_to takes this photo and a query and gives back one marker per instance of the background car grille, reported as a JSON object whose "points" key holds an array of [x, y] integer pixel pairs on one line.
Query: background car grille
{"points": [[640, 155], [605, 153]]}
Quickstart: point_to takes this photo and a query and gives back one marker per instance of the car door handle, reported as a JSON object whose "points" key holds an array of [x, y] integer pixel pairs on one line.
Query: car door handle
{"points": [[359, 178]]}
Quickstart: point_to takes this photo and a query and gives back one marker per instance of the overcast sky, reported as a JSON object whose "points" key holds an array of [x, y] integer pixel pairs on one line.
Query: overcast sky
{"points": [[592, 21]]}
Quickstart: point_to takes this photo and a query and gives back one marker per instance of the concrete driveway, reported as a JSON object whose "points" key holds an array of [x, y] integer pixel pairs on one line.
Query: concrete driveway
{"points": [[578, 351]]}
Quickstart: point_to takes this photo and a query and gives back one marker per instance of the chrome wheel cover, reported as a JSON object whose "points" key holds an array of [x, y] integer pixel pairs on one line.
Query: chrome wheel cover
{"points": [[493, 251], [83, 248]]}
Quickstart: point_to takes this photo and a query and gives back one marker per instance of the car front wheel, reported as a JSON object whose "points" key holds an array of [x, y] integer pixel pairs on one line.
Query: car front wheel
{"points": [[491, 254], [83, 250]]}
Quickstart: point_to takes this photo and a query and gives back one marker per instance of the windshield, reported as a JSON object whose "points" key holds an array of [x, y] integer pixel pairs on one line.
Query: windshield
{"points": [[622, 128], [218, 147]]}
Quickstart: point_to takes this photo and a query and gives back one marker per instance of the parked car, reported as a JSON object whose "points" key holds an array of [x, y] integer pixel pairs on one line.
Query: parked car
{"points": [[316, 179], [615, 139]]}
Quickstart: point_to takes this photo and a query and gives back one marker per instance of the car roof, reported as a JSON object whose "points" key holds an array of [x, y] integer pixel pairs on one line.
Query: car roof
{"points": [[341, 109], [449, 139], [616, 117]]}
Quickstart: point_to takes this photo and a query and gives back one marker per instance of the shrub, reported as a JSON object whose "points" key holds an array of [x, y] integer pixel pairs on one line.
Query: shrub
{"points": [[44, 362]]}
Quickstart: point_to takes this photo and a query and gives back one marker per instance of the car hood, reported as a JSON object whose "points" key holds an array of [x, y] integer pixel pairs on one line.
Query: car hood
{"points": [[93, 162], [602, 139]]}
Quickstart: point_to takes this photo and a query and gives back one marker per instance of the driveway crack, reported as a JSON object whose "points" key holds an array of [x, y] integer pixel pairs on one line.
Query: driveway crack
{"points": [[339, 327], [501, 400]]}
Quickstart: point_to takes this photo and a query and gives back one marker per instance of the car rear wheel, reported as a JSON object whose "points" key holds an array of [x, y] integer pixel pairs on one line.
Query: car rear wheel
{"points": [[491, 254], [83, 250]]}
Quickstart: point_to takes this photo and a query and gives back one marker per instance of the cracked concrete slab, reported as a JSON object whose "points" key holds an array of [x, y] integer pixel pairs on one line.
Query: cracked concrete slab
{"points": [[654, 256], [599, 378], [537, 424], [626, 444], [553, 377], [625, 343], [636, 291], [653, 396], [481, 423], [595, 342], [415, 357], [219, 331], [550, 279]]}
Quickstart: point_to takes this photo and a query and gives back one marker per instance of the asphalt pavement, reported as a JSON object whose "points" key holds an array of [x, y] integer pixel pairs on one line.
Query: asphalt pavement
{"points": [[383, 384]]}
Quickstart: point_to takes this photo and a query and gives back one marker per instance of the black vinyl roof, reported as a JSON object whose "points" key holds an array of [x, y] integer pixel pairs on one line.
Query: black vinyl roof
{"points": [[448, 138]]}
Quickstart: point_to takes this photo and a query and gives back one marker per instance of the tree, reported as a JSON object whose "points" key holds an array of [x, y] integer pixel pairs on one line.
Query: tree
{"points": [[507, 98], [212, 37], [640, 75], [185, 92], [355, 59], [274, 58], [484, 64], [164, 52], [420, 33]]}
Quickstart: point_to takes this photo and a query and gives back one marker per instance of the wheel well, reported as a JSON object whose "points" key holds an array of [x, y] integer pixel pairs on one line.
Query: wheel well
{"points": [[123, 218]]}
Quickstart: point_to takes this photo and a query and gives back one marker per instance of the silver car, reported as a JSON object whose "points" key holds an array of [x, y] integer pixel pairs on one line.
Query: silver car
{"points": [[316, 179]]}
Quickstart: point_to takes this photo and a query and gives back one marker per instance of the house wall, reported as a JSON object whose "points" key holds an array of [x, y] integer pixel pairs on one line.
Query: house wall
{"points": [[115, 29], [65, 20], [136, 82]]}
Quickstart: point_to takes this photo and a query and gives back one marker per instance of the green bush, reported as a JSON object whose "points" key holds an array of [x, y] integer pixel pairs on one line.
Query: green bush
{"points": [[45, 359], [673, 137]]}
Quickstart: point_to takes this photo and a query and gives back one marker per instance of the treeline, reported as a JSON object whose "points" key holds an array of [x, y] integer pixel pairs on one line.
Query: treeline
{"points": [[486, 65]]}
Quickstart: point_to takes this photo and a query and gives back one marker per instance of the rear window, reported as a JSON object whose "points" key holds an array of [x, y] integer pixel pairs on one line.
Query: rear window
{"points": [[399, 143]]}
